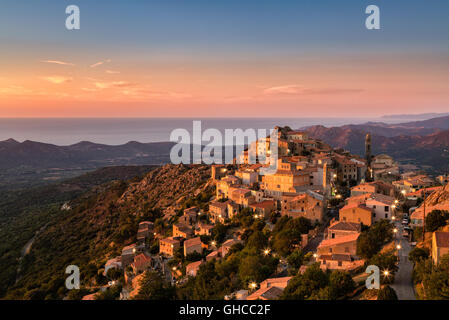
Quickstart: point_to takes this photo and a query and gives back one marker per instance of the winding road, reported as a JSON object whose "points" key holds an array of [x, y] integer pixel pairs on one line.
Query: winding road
{"points": [[403, 283]]}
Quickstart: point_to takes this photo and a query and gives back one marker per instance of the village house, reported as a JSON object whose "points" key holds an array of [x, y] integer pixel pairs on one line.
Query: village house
{"points": [[339, 252], [192, 268], [169, 246], [440, 245], [287, 179], [339, 262], [342, 228], [190, 215], [213, 255], [223, 185], [248, 176], [384, 165], [346, 169], [182, 230], [378, 187], [270, 289], [309, 205], [142, 262], [204, 229], [263, 209], [114, 263], [241, 196], [220, 211], [128, 254], [218, 171], [413, 183], [144, 231], [226, 246], [383, 206], [340, 245], [356, 213], [193, 245]]}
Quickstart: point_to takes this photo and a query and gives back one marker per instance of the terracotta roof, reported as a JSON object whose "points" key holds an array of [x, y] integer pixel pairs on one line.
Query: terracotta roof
{"points": [[192, 242], [427, 190], [218, 204], [170, 240], [336, 257], [339, 240], [141, 259], [193, 266], [268, 293], [442, 239], [264, 204], [353, 205], [345, 226], [382, 198]]}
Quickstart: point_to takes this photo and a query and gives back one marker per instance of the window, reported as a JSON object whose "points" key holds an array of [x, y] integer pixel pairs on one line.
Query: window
{"points": [[333, 235], [330, 250], [374, 207], [386, 215], [387, 208], [346, 249], [340, 263]]}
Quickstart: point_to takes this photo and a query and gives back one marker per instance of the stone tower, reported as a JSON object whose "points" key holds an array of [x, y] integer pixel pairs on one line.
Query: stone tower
{"points": [[368, 153], [368, 156]]}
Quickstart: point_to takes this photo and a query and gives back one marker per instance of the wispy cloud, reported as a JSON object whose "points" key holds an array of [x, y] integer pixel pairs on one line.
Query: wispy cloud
{"points": [[58, 62], [294, 89], [112, 72], [99, 63], [58, 79], [114, 84]]}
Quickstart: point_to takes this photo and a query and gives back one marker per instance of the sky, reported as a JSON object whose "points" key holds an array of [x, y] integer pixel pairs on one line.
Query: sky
{"points": [[203, 58]]}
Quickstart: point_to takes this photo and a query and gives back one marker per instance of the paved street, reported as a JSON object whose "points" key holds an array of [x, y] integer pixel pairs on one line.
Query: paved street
{"points": [[403, 284]]}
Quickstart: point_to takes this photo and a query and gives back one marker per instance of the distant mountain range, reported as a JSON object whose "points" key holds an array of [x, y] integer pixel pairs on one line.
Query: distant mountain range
{"points": [[422, 143], [25, 164]]}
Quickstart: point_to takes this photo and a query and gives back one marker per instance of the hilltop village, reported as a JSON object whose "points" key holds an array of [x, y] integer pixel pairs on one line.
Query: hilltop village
{"points": [[324, 215]]}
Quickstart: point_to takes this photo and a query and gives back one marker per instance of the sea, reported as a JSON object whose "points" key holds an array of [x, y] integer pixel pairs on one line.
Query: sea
{"points": [[116, 131]]}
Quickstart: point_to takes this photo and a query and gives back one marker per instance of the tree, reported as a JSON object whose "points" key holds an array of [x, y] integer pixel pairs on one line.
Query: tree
{"points": [[307, 285], [153, 287], [435, 219], [219, 232], [295, 259], [257, 242], [340, 284], [418, 254], [256, 268], [387, 293], [386, 262], [371, 241], [287, 234]]}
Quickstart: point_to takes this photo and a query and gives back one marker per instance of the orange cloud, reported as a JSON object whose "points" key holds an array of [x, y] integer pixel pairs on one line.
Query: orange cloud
{"points": [[58, 79]]}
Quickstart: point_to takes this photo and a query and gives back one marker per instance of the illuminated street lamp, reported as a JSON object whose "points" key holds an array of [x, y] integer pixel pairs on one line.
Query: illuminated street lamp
{"points": [[266, 252], [386, 273], [398, 247], [393, 218], [396, 201], [315, 255], [253, 285], [395, 230], [403, 192], [213, 243]]}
